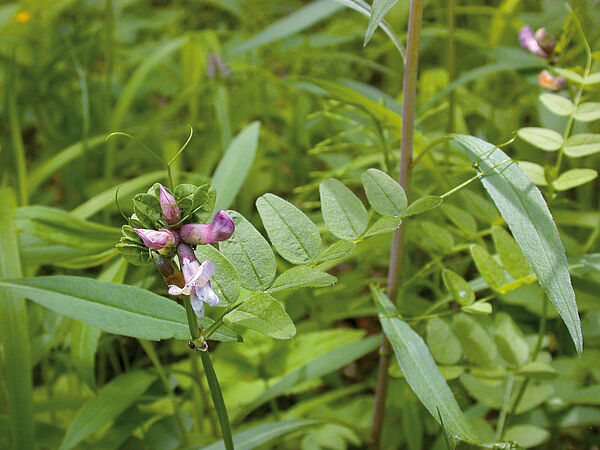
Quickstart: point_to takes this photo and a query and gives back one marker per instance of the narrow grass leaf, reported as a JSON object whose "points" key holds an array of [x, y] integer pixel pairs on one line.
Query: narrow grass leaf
{"points": [[114, 308], [386, 117], [233, 168], [100, 410], [322, 365], [14, 332], [294, 23], [420, 370], [524, 209], [295, 237], [262, 434], [60, 227]]}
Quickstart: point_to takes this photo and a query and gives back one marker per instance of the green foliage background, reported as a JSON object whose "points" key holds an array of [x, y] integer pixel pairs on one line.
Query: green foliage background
{"points": [[282, 97]]}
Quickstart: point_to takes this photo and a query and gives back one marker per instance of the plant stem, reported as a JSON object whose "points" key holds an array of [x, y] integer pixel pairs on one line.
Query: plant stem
{"points": [[451, 64], [409, 96], [217, 398], [525, 383], [197, 375]]}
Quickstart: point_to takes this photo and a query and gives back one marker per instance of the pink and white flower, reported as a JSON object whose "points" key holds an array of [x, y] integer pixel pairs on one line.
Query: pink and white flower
{"points": [[197, 280]]}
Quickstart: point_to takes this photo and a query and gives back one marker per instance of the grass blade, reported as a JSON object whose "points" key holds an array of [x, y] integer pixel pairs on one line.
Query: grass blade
{"points": [[15, 334]]}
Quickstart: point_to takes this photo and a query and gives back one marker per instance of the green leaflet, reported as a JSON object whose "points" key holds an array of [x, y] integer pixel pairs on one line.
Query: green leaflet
{"points": [[225, 280], [542, 138], [250, 254], [295, 237], [301, 276], [420, 370], [263, 313], [233, 168], [385, 195], [378, 11], [343, 212], [114, 308], [524, 209], [102, 409]]}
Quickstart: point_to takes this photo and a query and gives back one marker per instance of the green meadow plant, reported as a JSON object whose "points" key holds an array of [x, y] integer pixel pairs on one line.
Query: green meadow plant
{"points": [[331, 276]]}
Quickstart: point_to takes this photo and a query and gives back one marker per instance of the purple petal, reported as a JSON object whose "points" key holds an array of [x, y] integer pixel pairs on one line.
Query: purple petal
{"points": [[206, 294], [202, 276], [529, 42], [197, 233], [168, 205], [197, 304], [222, 226], [157, 239]]}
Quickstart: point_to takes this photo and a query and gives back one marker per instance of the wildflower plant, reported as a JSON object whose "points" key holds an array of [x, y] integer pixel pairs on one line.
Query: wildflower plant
{"points": [[379, 239]]}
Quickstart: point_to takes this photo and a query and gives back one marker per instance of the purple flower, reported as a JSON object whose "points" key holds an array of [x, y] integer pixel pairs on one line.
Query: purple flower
{"points": [[530, 43], [197, 280], [158, 240], [220, 229], [168, 205], [538, 43]]}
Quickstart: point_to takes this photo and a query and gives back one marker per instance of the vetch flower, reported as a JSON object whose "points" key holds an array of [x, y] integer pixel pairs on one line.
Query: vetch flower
{"points": [[220, 229], [547, 81], [537, 43], [168, 205], [197, 280], [158, 240]]}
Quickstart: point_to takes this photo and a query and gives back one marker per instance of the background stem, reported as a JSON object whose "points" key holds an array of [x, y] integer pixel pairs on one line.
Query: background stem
{"points": [[409, 96]]}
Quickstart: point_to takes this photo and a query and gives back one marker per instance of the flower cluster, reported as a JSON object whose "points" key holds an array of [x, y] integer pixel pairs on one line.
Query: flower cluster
{"points": [[163, 231], [540, 44]]}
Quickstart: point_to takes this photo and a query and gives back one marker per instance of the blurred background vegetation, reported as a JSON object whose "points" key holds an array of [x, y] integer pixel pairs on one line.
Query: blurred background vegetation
{"points": [[71, 72]]}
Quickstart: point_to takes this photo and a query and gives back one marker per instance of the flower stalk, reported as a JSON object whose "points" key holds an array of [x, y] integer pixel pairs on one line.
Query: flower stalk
{"points": [[409, 96]]}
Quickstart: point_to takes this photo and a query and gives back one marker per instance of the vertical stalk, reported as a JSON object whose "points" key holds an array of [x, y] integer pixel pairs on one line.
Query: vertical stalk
{"points": [[409, 96], [451, 63]]}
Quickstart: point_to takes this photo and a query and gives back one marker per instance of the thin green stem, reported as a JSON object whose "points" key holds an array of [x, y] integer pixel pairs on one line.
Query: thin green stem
{"points": [[538, 346], [217, 398], [197, 376], [505, 406], [451, 63], [409, 94], [576, 100]]}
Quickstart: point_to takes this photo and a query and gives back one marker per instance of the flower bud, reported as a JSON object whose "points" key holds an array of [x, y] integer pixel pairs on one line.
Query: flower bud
{"points": [[529, 42], [547, 81], [168, 205], [220, 229], [158, 240]]}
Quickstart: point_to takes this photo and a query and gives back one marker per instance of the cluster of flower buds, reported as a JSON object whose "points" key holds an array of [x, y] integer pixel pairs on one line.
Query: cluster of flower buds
{"points": [[180, 237], [540, 44], [537, 43]]}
